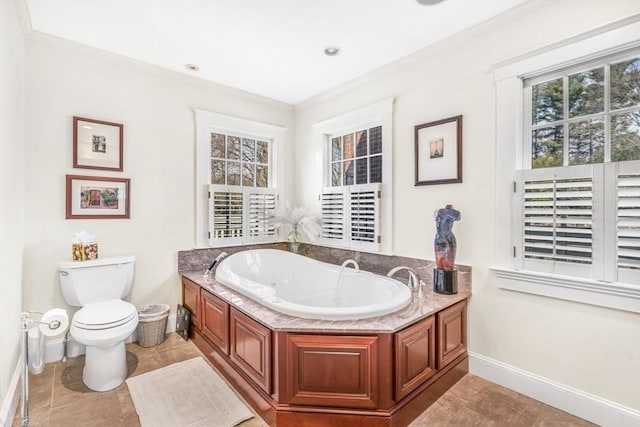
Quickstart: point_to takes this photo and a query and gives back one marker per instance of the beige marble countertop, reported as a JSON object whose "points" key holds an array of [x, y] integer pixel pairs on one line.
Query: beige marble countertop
{"points": [[418, 309]]}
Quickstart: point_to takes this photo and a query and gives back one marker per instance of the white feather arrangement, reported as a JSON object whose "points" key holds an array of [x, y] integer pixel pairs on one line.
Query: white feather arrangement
{"points": [[299, 221]]}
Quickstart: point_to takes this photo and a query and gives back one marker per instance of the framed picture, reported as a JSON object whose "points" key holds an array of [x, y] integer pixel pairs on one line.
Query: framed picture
{"points": [[97, 144], [95, 197], [439, 152]]}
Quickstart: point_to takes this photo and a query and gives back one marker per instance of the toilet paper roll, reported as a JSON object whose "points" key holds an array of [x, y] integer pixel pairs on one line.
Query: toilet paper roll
{"points": [[54, 322]]}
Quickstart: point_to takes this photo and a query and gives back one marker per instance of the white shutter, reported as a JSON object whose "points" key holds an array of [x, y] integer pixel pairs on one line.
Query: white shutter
{"points": [[241, 215], [364, 216], [351, 216], [628, 223], [334, 215], [557, 220], [261, 204], [226, 215]]}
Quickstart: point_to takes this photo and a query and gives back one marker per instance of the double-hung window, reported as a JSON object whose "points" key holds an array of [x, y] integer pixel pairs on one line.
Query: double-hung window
{"points": [[356, 195], [578, 192], [568, 169], [237, 179]]}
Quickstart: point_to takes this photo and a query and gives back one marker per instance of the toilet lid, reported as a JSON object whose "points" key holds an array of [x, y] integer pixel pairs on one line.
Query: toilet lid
{"points": [[104, 314]]}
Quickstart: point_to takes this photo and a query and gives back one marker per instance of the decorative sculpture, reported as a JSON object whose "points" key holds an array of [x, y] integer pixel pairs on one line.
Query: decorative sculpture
{"points": [[445, 275]]}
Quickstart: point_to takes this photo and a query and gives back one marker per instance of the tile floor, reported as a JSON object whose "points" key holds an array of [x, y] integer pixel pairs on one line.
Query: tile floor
{"points": [[58, 398]]}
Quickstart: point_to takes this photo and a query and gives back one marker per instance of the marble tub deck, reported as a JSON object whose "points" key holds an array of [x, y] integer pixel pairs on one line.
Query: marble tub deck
{"points": [[416, 310]]}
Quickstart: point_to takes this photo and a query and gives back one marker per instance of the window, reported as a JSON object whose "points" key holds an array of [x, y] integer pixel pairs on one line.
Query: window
{"points": [[237, 170], [356, 157], [579, 123], [587, 114], [241, 197], [568, 169], [356, 195]]}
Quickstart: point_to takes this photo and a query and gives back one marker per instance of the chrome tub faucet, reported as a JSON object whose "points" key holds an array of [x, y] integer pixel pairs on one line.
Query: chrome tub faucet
{"points": [[414, 282]]}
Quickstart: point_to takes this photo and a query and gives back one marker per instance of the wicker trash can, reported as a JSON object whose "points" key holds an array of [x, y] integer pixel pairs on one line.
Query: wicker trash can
{"points": [[152, 324]]}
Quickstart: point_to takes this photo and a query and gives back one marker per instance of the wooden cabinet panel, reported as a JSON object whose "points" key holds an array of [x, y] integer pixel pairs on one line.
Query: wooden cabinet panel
{"points": [[330, 370], [215, 320], [415, 356], [452, 333], [191, 300], [250, 348]]}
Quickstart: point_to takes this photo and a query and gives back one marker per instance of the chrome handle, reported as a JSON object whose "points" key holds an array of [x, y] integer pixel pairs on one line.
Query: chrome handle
{"points": [[64, 273]]}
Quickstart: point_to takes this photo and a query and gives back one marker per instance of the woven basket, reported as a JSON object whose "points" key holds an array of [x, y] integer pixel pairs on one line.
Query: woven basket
{"points": [[152, 326]]}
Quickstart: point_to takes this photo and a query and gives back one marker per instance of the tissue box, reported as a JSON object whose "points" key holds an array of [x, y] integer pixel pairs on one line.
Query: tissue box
{"points": [[80, 252]]}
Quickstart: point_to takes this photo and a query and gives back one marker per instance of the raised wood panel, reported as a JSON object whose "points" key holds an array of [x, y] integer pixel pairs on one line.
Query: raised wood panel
{"points": [[339, 371], [452, 333], [191, 300], [250, 348], [215, 320], [415, 357]]}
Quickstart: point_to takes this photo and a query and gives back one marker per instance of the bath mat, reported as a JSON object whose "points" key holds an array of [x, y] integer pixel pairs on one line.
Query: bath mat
{"points": [[186, 394]]}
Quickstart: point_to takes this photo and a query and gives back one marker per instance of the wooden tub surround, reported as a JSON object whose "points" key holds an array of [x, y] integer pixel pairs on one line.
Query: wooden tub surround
{"points": [[376, 372]]}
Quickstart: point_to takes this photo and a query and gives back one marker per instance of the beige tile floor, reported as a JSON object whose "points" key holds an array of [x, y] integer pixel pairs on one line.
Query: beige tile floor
{"points": [[58, 398]]}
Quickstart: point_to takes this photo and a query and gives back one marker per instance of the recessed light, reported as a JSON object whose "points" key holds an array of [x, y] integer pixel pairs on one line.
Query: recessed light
{"points": [[428, 2], [331, 51], [192, 67]]}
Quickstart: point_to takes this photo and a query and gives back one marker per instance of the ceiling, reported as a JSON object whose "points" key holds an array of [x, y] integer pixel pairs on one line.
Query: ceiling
{"points": [[273, 48]]}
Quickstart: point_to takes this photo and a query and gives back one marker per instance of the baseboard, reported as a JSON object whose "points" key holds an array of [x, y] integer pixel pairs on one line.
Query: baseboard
{"points": [[576, 402], [10, 404], [54, 349]]}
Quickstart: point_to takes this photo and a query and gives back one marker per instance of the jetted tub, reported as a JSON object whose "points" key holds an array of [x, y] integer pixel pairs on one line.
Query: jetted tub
{"points": [[303, 287]]}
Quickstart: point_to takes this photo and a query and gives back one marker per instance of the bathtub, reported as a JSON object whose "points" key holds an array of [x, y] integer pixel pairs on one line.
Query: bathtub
{"points": [[303, 287]]}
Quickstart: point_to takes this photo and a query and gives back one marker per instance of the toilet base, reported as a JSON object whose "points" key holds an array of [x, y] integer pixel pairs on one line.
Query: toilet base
{"points": [[105, 368]]}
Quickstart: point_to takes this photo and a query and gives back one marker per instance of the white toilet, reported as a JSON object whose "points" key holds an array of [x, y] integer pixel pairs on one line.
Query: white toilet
{"points": [[105, 321]]}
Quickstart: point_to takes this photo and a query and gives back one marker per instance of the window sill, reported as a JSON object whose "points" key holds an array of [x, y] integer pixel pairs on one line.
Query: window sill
{"points": [[618, 296]]}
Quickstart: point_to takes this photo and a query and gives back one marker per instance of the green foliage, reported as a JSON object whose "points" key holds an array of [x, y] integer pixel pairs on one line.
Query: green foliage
{"points": [[109, 196], [585, 97]]}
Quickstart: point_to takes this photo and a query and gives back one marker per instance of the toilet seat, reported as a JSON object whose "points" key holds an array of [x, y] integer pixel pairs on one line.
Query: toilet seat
{"points": [[104, 315]]}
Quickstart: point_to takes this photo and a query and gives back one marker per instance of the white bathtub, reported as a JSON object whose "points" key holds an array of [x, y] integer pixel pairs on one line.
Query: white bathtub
{"points": [[303, 287]]}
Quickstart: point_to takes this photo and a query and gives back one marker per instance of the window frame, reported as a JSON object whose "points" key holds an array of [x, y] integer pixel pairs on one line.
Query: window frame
{"points": [[511, 153], [208, 122], [377, 114]]}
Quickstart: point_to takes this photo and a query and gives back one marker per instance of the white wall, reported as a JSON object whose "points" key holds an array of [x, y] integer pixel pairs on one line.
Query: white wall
{"points": [[155, 106], [592, 349], [11, 195], [559, 340]]}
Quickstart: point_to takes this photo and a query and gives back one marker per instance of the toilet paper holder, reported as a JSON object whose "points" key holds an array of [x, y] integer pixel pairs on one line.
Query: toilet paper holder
{"points": [[57, 324], [53, 325]]}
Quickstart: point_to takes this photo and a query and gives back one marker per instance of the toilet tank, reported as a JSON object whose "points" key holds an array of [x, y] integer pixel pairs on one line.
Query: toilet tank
{"points": [[102, 279]]}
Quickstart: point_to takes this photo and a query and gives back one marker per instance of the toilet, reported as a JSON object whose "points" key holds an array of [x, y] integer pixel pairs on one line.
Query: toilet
{"points": [[104, 321]]}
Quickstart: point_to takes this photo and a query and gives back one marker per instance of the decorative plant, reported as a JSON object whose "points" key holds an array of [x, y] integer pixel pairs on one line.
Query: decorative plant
{"points": [[109, 197], [300, 223]]}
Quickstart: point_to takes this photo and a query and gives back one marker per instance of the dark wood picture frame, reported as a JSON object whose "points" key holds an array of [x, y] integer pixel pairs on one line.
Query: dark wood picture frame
{"points": [[434, 143], [87, 197], [97, 144]]}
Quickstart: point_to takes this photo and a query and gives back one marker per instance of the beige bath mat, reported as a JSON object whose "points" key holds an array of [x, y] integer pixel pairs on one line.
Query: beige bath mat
{"points": [[186, 394]]}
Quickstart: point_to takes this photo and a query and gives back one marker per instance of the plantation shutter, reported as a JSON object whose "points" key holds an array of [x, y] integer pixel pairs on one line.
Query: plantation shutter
{"points": [[333, 215], [241, 215], [226, 215], [364, 204], [261, 204], [557, 220], [351, 216], [628, 222]]}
